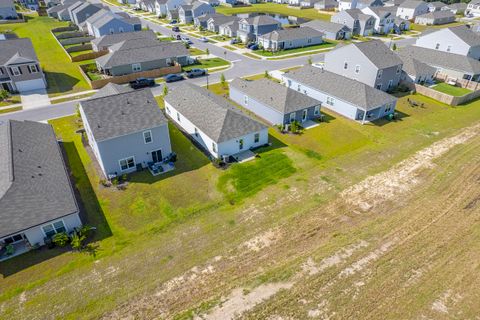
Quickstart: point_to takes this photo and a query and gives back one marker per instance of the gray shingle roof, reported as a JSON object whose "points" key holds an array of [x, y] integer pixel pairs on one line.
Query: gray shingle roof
{"points": [[110, 90], [17, 48], [291, 34], [34, 184], [415, 67], [340, 87], [378, 53], [6, 4], [213, 115], [357, 14], [110, 39], [466, 34], [162, 50], [325, 26], [274, 95], [437, 15], [442, 59], [122, 114], [410, 4], [261, 20]]}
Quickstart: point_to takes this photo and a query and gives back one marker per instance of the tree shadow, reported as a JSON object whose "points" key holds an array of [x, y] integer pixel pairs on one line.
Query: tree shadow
{"points": [[60, 82], [399, 116]]}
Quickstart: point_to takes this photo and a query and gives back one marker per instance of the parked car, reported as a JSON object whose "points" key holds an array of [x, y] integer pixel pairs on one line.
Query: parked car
{"points": [[142, 83], [179, 37], [203, 39], [187, 40], [176, 29], [174, 21], [234, 41], [173, 77], [137, 9], [253, 47], [196, 72]]}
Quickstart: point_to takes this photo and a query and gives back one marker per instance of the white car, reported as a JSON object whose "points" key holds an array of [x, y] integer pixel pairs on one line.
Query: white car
{"points": [[203, 39]]}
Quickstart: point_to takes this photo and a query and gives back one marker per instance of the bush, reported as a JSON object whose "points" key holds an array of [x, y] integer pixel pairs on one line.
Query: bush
{"points": [[4, 94], [61, 239]]}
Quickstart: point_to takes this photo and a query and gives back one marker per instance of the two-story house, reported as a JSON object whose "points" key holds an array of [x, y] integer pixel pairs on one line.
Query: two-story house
{"points": [[19, 66], [106, 22], [358, 4], [460, 40], [187, 13], [384, 19], [409, 9], [250, 28], [371, 62], [473, 8], [126, 130], [84, 11], [359, 22], [7, 10], [162, 7]]}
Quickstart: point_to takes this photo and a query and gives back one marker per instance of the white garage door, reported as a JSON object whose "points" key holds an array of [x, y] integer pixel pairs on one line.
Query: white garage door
{"points": [[29, 85]]}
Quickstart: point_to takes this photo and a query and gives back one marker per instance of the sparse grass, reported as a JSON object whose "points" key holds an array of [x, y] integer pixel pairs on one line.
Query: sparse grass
{"points": [[79, 96], [230, 48], [451, 90], [7, 110]]}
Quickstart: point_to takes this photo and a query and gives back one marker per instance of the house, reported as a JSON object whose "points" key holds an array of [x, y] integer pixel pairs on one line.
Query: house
{"points": [[371, 62], [290, 38], [147, 5], [280, 1], [187, 13], [19, 66], [162, 7], [250, 28], [454, 65], [106, 22], [103, 42], [435, 18], [52, 3], [36, 196], [473, 8], [331, 30], [392, 3], [358, 4], [7, 10], [59, 12], [202, 21], [274, 102], [401, 24], [435, 6], [32, 5], [229, 29], [415, 71], [138, 55], [210, 120], [357, 21], [384, 19], [126, 129], [456, 8], [215, 21], [335, 93], [307, 3], [213, 3], [409, 9], [84, 11], [460, 40], [172, 14], [247, 2], [72, 6], [326, 5], [231, 2]]}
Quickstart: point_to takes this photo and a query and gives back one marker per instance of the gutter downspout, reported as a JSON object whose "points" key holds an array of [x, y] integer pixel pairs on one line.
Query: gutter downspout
{"points": [[364, 116]]}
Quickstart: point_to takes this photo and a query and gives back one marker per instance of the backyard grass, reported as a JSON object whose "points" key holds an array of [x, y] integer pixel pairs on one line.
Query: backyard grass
{"points": [[63, 76], [77, 53], [325, 45], [451, 90], [274, 8], [207, 63]]}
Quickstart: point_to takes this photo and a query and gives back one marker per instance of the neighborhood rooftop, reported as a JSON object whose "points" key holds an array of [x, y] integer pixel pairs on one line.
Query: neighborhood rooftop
{"points": [[325, 25], [34, 184], [414, 67], [213, 115], [121, 114], [291, 34], [107, 40], [16, 49], [110, 90], [410, 4], [437, 14], [378, 53], [275, 95], [332, 84]]}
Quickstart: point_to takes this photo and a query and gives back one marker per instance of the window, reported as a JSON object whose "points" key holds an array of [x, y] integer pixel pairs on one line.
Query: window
{"points": [[292, 116], [345, 65], [256, 138], [196, 132], [299, 87], [245, 100], [53, 228], [309, 40], [214, 147], [127, 163], [168, 110], [136, 67], [111, 31], [13, 239], [379, 86], [15, 71], [33, 68], [120, 30], [178, 117], [240, 144], [437, 46], [380, 73], [388, 107], [449, 48], [357, 68], [399, 68], [316, 111], [390, 84], [330, 101], [1, 71], [147, 137]]}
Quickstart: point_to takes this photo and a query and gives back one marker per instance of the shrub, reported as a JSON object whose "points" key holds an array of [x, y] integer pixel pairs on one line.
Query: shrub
{"points": [[77, 241], [61, 239], [222, 80], [4, 94], [115, 181], [165, 90]]}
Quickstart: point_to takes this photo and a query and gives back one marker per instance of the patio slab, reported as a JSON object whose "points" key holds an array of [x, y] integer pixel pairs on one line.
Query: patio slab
{"points": [[165, 166], [244, 156], [309, 124]]}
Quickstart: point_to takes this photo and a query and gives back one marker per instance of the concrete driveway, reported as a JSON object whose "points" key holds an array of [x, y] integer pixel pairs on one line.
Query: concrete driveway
{"points": [[35, 98]]}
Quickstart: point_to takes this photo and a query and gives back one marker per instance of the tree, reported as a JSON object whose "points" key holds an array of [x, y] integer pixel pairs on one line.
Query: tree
{"points": [[222, 80], [267, 75], [165, 90], [207, 51], [394, 47], [309, 61], [4, 94]]}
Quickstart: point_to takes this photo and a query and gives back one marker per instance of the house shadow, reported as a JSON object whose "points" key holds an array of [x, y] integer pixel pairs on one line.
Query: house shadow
{"points": [[91, 214], [60, 82], [399, 116], [273, 144]]}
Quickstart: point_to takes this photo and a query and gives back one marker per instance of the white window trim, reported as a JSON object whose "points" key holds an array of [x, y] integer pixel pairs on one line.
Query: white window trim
{"points": [[316, 110], [151, 136], [35, 67], [16, 70], [134, 67], [357, 69], [51, 223], [255, 135], [126, 158]]}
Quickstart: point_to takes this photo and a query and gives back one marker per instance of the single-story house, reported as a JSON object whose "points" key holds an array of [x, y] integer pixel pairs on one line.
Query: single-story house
{"points": [[36, 195], [456, 8], [137, 55], [416, 71], [214, 123], [335, 93], [7, 10], [331, 30], [290, 38], [454, 65], [274, 102], [106, 22], [326, 5], [126, 129], [435, 18], [103, 42]]}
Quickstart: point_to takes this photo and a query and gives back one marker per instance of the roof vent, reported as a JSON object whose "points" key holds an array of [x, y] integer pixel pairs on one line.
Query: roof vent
{"points": [[20, 150], [98, 126]]}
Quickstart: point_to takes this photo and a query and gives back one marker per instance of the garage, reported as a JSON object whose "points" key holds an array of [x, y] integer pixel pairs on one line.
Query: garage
{"points": [[30, 85]]}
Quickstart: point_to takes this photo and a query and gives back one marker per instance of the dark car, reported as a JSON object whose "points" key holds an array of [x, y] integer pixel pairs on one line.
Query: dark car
{"points": [[196, 72], [142, 83], [173, 21], [173, 77], [234, 41], [176, 29], [179, 37]]}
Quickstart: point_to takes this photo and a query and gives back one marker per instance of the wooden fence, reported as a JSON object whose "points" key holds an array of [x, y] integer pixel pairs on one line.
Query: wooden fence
{"points": [[467, 84], [63, 29], [97, 84], [443, 97], [88, 56]]}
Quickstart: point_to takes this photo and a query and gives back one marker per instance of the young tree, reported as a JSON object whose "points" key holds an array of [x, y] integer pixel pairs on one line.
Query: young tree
{"points": [[309, 61], [394, 47], [222, 80], [4, 94], [165, 90], [267, 75], [207, 51]]}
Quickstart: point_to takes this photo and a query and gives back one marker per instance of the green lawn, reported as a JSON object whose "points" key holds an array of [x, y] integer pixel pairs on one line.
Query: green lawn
{"points": [[77, 53], [324, 45], [195, 51], [63, 76], [230, 48], [274, 8], [208, 63], [10, 100], [451, 90]]}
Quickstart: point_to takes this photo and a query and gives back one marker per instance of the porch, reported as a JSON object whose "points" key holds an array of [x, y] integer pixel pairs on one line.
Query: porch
{"points": [[160, 168], [14, 249]]}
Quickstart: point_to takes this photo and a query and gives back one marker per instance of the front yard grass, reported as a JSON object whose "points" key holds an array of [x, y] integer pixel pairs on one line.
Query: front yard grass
{"points": [[325, 45], [451, 90], [195, 51], [274, 8], [10, 100], [62, 75], [208, 63]]}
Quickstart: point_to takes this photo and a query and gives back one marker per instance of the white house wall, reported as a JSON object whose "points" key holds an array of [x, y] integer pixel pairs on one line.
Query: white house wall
{"points": [[447, 39], [35, 235], [271, 115], [91, 140]]}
